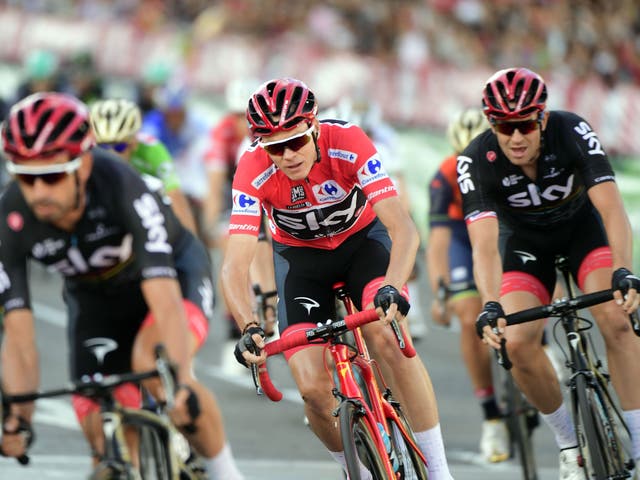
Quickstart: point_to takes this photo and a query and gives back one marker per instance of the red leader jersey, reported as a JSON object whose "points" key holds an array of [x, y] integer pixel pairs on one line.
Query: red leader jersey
{"points": [[323, 210]]}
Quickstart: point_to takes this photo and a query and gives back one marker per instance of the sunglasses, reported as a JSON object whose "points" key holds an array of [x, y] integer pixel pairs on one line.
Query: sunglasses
{"points": [[49, 174], [524, 126], [118, 147], [294, 143]]}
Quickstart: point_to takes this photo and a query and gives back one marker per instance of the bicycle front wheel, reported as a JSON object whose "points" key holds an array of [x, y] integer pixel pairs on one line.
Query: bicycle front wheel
{"points": [[598, 434], [588, 430], [411, 465], [154, 456], [358, 441], [521, 419]]}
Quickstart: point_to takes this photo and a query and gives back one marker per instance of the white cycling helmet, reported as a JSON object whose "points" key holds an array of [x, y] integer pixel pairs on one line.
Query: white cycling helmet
{"points": [[238, 92], [115, 120], [465, 127]]}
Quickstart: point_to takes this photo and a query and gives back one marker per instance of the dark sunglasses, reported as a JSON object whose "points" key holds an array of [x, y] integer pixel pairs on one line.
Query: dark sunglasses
{"points": [[48, 178], [294, 143], [118, 147], [524, 126]]}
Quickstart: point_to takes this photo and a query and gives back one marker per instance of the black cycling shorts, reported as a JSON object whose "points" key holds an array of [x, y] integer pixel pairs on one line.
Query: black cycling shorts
{"points": [[533, 252], [305, 276], [103, 323]]}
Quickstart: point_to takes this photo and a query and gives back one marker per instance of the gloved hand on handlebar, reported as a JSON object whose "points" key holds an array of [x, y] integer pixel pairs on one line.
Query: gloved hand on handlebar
{"points": [[17, 436], [385, 299], [491, 323], [626, 286], [249, 348]]}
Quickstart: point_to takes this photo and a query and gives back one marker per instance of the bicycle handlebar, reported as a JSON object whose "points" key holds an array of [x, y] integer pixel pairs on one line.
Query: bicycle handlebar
{"points": [[318, 335], [99, 386], [556, 309], [560, 307]]}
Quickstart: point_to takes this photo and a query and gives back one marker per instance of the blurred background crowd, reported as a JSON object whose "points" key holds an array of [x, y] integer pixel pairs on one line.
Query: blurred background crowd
{"points": [[585, 38], [414, 64]]}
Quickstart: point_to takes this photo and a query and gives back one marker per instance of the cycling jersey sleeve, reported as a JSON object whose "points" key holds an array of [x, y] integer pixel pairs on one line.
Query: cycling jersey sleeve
{"points": [[592, 160], [153, 158], [148, 219], [474, 184], [369, 170], [246, 211], [440, 196], [14, 285]]}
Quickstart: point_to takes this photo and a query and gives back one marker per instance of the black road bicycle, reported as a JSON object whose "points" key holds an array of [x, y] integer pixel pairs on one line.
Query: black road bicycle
{"points": [[164, 454], [603, 436]]}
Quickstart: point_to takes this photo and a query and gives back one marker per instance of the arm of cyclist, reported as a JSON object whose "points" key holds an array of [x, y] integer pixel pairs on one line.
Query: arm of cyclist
{"points": [[235, 285], [405, 241], [437, 259], [181, 208], [607, 200], [20, 374], [214, 204], [487, 268]]}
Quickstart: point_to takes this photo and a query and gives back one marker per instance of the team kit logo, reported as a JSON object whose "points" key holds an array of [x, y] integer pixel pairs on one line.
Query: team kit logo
{"points": [[245, 204], [297, 193], [371, 171], [328, 191]]}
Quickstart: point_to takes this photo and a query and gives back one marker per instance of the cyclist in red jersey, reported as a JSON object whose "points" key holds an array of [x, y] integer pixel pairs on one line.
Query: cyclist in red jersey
{"points": [[536, 185], [133, 275], [330, 205]]}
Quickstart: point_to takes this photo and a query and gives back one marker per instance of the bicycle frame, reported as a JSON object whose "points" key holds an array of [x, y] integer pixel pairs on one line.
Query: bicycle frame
{"points": [[378, 407], [115, 418], [596, 417]]}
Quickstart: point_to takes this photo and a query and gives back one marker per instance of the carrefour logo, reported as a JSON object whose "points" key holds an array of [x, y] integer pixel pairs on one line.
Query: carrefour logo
{"points": [[371, 171], [343, 155], [328, 191], [245, 204]]}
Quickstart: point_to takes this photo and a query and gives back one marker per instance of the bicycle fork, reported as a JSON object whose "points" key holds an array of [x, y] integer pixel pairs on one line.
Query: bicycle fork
{"points": [[350, 391]]}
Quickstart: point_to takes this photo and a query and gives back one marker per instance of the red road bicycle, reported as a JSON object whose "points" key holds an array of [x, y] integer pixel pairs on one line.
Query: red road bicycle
{"points": [[373, 427]]}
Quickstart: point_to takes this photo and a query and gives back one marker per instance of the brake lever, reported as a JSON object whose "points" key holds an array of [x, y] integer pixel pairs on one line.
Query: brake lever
{"points": [[256, 381], [502, 356]]}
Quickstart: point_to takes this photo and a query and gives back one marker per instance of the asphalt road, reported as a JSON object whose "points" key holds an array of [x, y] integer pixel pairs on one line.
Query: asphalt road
{"points": [[269, 439]]}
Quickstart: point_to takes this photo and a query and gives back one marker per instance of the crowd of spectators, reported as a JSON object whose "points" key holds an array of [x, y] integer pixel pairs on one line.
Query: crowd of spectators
{"points": [[584, 38]]}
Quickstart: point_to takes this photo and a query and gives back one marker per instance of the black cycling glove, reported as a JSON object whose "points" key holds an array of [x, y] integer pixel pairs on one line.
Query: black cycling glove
{"points": [[490, 314], [246, 343], [389, 294], [624, 280]]}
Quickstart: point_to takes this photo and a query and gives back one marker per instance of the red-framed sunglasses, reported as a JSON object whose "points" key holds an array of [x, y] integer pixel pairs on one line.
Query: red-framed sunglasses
{"points": [[523, 126]]}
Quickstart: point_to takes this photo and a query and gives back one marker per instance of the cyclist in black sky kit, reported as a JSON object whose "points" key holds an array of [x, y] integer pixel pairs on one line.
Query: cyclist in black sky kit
{"points": [[536, 185], [134, 276]]}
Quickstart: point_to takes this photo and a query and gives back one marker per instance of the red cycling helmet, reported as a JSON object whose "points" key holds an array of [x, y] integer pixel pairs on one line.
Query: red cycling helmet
{"points": [[47, 123], [279, 105], [514, 93]]}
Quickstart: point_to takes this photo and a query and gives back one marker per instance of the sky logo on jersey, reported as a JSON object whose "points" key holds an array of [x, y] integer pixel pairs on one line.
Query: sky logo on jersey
{"points": [[464, 176], [328, 191], [263, 177], [5, 283], [584, 130], [343, 155], [372, 171], [245, 204], [153, 221]]}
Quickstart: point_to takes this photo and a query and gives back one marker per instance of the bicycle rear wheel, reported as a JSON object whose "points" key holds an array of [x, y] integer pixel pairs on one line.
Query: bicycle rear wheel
{"points": [[359, 444], [411, 465], [154, 456], [598, 436], [521, 419]]}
